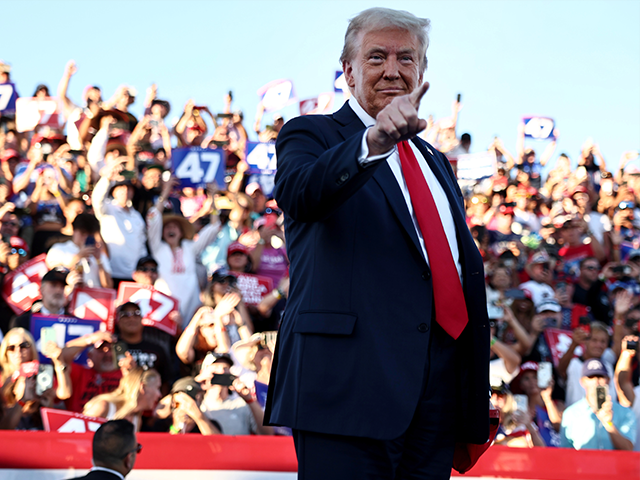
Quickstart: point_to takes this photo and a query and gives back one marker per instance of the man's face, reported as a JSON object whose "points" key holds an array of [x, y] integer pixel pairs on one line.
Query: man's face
{"points": [[130, 320], [79, 237], [101, 359], [589, 270], [539, 271], [147, 274], [386, 65], [596, 344], [52, 295], [151, 178], [10, 226], [590, 384]]}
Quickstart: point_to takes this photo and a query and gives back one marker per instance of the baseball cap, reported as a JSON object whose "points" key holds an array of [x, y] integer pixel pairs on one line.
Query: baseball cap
{"points": [[221, 275], [58, 274], [539, 257], [187, 385], [144, 260], [9, 154], [594, 368], [252, 188], [548, 305], [236, 247]]}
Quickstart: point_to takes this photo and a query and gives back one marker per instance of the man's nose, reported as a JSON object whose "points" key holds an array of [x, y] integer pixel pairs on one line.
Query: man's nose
{"points": [[391, 69]]}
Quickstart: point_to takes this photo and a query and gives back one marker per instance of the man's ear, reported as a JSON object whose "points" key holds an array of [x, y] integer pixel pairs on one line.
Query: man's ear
{"points": [[348, 74]]}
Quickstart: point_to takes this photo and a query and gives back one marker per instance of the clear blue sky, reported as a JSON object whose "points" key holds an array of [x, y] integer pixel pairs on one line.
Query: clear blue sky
{"points": [[575, 61]]}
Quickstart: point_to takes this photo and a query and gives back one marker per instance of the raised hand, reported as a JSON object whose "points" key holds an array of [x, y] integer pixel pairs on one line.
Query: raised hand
{"points": [[398, 121]]}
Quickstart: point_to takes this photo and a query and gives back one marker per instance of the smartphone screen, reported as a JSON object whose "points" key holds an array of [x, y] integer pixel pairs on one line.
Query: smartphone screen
{"points": [[224, 379], [545, 372], [47, 334], [522, 402], [120, 350], [90, 242], [601, 395], [44, 380]]}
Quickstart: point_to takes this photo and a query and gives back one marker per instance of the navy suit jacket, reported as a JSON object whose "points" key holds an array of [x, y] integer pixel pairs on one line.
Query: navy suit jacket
{"points": [[352, 347]]}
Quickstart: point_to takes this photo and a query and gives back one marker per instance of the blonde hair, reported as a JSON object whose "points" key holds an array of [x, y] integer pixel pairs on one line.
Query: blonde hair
{"points": [[125, 397], [7, 368]]}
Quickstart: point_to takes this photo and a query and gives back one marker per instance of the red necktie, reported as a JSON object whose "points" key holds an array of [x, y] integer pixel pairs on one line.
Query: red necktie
{"points": [[451, 309]]}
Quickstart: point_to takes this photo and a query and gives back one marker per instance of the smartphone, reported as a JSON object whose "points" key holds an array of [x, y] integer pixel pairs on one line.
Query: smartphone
{"points": [[584, 321], [44, 380], [458, 97], [224, 115], [632, 345], [90, 242], [601, 395], [545, 373], [224, 379], [47, 334], [166, 176], [522, 402], [515, 293], [120, 349]]}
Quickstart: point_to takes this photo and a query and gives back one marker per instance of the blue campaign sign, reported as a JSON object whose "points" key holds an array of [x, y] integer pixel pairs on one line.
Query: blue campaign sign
{"points": [[261, 157], [340, 83], [196, 166], [8, 97], [66, 328], [540, 128]]}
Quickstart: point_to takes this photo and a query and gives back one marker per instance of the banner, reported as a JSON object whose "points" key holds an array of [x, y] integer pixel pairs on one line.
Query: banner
{"points": [[540, 128], [94, 303], [321, 104], [157, 309], [8, 97], [66, 328], [261, 158], [476, 165], [558, 341], [340, 83], [277, 95], [32, 112], [21, 287], [197, 166], [253, 287], [63, 421]]}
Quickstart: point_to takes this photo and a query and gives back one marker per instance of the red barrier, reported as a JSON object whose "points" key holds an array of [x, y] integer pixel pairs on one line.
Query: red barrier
{"points": [[40, 450]]}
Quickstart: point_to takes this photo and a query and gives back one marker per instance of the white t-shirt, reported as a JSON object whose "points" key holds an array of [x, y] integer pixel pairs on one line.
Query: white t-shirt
{"points": [[498, 372], [575, 391], [61, 254]]}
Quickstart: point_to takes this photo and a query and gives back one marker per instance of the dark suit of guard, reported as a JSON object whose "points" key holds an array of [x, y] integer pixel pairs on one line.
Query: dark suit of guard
{"points": [[356, 345]]}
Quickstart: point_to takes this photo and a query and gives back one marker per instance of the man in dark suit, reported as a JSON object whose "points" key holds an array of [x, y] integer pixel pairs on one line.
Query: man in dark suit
{"points": [[114, 451], [381, 362]]}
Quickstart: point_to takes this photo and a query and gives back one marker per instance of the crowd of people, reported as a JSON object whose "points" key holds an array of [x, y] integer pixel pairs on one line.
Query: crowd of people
{"points": [[561, 253]]}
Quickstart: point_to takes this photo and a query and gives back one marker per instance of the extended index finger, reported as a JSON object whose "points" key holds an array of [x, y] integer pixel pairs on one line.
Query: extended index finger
{"points": [[416, 96]]}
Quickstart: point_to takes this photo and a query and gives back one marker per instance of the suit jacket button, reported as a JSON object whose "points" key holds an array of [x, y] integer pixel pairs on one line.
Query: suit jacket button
{"points": [[423, 328], [426, 275], [343, 178]]}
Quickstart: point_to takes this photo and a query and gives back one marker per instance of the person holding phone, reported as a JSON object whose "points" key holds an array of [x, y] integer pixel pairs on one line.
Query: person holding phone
{"points": [[228, 401], [628, 394], [596, 422], [83, 253]]}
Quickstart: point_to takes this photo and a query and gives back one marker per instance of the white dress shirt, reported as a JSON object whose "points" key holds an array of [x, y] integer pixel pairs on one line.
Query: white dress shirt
{"points": [[439, 196]]}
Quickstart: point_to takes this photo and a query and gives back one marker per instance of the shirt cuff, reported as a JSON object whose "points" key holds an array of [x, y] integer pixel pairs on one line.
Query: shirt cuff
{"points": [[364, 160]]}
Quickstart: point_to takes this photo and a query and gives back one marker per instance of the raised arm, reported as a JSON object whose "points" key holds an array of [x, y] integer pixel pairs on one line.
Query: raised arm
{"points": [[548, 151], [69, 70]]}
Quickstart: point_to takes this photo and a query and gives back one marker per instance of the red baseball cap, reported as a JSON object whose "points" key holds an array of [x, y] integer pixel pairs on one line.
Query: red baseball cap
{"points": [[236, 247], [9, 154]]}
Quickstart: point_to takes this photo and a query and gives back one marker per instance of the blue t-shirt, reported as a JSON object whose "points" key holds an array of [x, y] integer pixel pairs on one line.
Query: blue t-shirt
{"points": [[581, 429]]}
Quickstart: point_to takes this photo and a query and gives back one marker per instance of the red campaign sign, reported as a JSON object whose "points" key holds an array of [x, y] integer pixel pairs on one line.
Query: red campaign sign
{"points": [[64, 421], [253, 287], [32, 112], [21, 287], [558, 341], [94, 303], [308, 106], [155, 306]]}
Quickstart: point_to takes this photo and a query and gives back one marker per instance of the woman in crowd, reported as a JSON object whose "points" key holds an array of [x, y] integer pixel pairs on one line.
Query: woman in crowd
{"points": [[517, 428], [172, 244], [221, 322], [138, 391]]}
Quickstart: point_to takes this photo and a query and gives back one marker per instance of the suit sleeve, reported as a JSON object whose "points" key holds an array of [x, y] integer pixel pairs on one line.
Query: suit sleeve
{"points": [[315, 174]]}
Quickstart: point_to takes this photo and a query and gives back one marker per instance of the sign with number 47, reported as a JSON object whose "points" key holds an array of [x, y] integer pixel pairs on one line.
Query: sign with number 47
{"points": [[196, 166]]}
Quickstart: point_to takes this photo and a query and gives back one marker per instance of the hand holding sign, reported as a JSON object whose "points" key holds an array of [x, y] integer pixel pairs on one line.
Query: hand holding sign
{"points": [[397, 121]]}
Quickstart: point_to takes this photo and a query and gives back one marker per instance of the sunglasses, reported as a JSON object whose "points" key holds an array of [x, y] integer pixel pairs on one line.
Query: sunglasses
{"points": [[20, 251], [22, 346], [10, 224], [135, 313], [148, 269], [138, 449]]}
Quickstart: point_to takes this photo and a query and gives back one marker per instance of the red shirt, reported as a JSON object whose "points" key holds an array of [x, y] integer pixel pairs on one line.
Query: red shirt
{"points": [[87, 383]]}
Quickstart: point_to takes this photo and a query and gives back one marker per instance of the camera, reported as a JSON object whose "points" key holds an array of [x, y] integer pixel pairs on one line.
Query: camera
{"points": [[632, 345]]}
